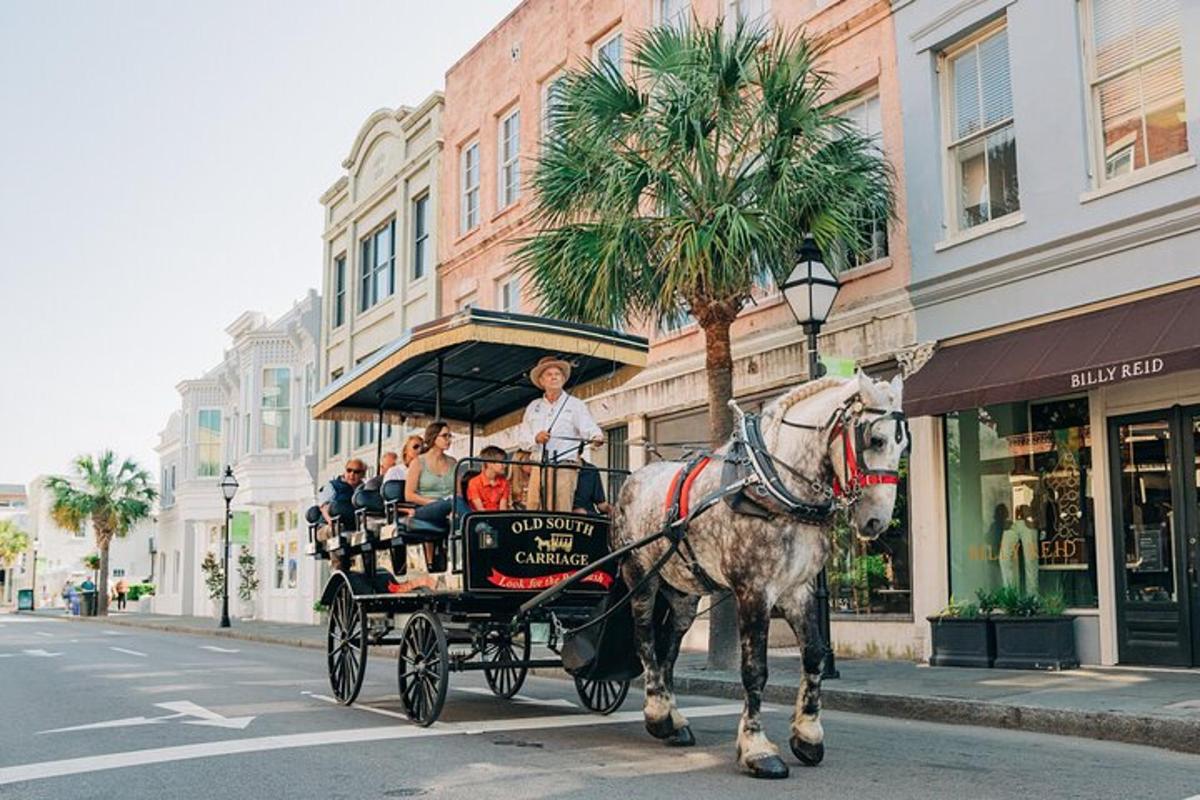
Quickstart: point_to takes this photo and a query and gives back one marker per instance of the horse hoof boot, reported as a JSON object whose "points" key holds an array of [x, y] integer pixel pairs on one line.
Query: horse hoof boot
{"points": [[682, 737], [660, 728], [769, 767], [809, 754]]}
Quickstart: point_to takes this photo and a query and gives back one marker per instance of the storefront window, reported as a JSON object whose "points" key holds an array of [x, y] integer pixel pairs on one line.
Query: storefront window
{"points": [[1019, 491]]}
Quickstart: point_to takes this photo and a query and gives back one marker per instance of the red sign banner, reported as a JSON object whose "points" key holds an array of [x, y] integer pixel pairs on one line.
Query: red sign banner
{"points": [[498, 578]]}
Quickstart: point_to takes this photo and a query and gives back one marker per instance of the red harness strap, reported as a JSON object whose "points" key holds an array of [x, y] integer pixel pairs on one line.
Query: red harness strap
{"points": [[686, 489], [856, 478]]}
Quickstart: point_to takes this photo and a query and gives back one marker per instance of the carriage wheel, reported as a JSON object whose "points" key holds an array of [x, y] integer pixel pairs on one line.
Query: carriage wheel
{"points": [[424, 668], [501, 645], [603, 697], [346, 645]]}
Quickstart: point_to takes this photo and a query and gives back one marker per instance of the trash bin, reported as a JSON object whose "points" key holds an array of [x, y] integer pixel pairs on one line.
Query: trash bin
{"points": [[87, 602], [24, 599]]}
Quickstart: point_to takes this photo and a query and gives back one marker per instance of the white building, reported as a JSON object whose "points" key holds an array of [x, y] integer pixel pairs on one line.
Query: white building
{"points": [[13, 507], [251, 412], [60, 552], [380, 258]]}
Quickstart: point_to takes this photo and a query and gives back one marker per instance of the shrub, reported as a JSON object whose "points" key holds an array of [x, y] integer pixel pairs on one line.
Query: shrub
{"points": [[139, 590]]}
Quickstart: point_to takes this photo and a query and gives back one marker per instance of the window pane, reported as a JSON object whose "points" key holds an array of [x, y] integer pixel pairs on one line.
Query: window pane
{"points": [[1019, 500], [276, 404], [994, 79], [965, 71], [1120, 119], [1148, 518], [972, 184], [1002, 172], [1128, 31], [1162, 98]]}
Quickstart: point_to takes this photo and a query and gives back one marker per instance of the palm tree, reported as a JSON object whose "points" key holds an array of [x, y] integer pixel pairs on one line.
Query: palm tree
{"points": [[678, 189], [113, 497], [13, 542]]}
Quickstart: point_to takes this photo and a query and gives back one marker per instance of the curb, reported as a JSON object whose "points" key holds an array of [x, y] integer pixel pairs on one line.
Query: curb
{"points": [[1163, 732], [1167, 733]]}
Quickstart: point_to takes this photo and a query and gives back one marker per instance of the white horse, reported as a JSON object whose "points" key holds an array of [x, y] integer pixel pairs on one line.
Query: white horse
{"points": [[834, 441]]}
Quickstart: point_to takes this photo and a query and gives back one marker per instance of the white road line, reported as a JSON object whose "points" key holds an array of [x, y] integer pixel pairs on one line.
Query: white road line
{"points": [[519, 698], [361, 707], [260, 744], [129, 652], [216, 649], [43, 633]]}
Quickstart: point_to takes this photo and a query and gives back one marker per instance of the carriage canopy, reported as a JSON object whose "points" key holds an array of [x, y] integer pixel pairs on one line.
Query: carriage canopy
{"points": [[473, 366]]}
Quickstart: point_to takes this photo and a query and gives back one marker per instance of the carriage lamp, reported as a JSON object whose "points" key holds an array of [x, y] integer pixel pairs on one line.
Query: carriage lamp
{"points": [[229, 487], [810, 290]]}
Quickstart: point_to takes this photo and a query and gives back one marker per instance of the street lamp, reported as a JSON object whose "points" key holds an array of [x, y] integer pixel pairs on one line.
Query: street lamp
{"points": [[229, 487], [810, 290]]}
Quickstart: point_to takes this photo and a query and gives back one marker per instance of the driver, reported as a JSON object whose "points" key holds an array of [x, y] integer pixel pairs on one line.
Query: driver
{"points": [[555, 427]]}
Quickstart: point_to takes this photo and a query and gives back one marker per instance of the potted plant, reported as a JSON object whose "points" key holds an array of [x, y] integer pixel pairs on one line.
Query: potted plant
{"points": [[1032, 632], [247, 583], [322, 612], [214, 580], [963, 634]]}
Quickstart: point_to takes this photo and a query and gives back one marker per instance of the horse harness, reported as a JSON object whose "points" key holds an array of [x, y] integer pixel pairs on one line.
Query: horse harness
{"points": [[751, 484]]}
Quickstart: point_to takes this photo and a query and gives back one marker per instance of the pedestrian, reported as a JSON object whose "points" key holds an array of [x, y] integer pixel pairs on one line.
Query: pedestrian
{"points": [[122, 588]]}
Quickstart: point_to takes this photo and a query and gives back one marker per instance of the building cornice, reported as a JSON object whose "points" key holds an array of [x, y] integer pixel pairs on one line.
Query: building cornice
{"points": [[1126, 234], [339, 187], [360, 139]]}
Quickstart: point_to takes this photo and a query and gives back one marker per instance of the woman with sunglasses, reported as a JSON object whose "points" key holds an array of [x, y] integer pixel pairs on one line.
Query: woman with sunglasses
{"points": [[430, 482]]}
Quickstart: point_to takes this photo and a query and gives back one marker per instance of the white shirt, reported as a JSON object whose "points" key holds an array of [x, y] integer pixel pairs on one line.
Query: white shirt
{"points": [[568, 420], [396, 473]]}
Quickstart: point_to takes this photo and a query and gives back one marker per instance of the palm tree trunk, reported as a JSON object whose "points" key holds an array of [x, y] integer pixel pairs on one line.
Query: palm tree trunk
{"points": [[102, 543], [723, 644]]}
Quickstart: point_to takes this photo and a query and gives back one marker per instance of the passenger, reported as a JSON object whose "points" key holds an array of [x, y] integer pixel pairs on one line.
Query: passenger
{"points": [[589, 493], [336, 497], [520, 478], [490, 490], [411, 449], [554, 429], [386, 462], [429, 484]]}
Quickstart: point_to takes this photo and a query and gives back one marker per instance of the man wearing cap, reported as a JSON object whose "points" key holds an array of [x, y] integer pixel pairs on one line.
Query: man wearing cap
{"points": [[554, 428]]}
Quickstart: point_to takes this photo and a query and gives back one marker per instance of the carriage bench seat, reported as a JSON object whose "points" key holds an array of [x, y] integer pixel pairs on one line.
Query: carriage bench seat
{"points": [[413, 531]]}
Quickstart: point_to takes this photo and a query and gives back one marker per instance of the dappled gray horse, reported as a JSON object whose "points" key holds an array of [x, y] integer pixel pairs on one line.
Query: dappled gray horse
{"points": [[824, 443]]}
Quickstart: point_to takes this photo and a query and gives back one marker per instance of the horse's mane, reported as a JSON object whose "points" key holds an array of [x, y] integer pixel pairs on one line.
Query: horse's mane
{"points": [[774, 412]]}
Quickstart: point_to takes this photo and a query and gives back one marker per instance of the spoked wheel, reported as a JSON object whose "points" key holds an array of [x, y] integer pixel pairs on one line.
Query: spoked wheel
{"points": [[500, 645], [424, 668], [603, 697], [346, 645]]}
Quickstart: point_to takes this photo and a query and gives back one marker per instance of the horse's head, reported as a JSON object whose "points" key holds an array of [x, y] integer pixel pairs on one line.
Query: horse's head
{"points": [[866, 443]]}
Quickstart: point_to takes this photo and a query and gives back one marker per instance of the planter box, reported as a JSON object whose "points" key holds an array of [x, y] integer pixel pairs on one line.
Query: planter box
{"points": [[962, 642], [1035, 643]]}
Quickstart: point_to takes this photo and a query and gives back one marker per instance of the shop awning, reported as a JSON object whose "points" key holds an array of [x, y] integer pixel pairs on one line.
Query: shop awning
{"points": [[1119, 343]]}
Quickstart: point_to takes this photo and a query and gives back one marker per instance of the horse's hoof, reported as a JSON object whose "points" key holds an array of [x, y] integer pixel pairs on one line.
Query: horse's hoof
{"points": [[809, 754], [770, 767], [660, 728], [682, 737]]}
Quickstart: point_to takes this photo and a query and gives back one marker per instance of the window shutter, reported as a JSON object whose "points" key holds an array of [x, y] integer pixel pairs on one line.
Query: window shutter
{"points": [[966, 94], [994, 79], [1127, 31]]}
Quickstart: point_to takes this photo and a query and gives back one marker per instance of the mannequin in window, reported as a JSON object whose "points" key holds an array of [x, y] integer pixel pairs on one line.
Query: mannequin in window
{"points": [[1015, 533]]}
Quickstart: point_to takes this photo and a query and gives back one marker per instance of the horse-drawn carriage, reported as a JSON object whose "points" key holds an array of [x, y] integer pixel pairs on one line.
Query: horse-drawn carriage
{"points": [[752, 517], [450, 596]]}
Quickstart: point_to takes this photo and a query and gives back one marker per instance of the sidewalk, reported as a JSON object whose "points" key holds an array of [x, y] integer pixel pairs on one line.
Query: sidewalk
{"points": [[1159, 708]]}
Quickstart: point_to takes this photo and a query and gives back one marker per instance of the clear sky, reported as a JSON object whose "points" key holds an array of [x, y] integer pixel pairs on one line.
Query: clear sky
{"points": [[160, 164]]}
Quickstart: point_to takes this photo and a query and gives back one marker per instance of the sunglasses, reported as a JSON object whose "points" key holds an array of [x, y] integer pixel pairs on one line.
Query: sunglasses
{"points": [[445, 435], [356, 471]]}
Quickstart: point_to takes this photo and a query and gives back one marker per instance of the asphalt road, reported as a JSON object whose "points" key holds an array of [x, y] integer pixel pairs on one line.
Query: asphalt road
{"points": [[97, 711]]}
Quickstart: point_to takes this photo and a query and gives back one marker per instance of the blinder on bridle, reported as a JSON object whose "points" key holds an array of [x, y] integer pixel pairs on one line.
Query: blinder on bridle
{"points": [[858, 437]]}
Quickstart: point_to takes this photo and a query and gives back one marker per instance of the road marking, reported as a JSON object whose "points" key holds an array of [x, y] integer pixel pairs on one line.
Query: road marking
{"points": [[43, 633], [557, 702], [182, 708], [216, 649], [39, 653], [128, 652], [327, 738], [114, 633], [374, 710]]}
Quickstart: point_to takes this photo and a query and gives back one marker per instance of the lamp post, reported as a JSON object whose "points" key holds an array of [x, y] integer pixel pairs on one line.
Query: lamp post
{"points": [[33, 577], [810, 290], [229, 487]]}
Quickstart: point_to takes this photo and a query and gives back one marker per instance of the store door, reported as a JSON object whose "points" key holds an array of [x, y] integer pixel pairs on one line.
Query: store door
{"points": [[1155, 463]]}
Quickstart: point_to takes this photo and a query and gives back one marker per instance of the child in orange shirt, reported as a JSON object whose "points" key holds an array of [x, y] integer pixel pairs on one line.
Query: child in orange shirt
{"points": [[489, 490]]}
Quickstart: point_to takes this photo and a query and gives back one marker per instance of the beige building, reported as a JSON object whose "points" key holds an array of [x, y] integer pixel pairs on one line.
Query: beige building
{"points": [[496, 98], [380, 258]]}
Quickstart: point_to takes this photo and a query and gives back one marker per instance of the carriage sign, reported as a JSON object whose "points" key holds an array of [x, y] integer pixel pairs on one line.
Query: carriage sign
{"points": [[530, 551]]}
